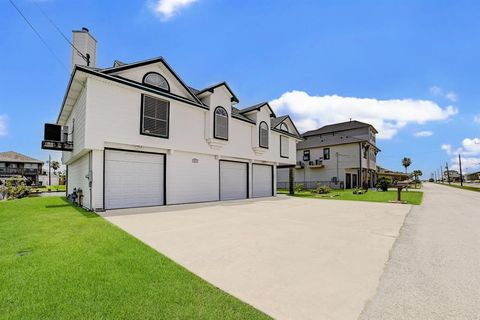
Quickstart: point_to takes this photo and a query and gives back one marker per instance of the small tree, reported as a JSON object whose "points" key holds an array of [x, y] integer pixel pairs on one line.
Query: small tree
{"points": [[55, 166], [406, 162], [15, 188], [416, 175]]}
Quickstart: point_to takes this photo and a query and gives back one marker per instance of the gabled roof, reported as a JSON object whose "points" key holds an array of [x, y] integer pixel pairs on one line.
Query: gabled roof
{"points": [[342, 126], [236, 114], [212, 87], [256, 107], [274, 122], [317, 141], [12, 156], [125, 66], [79, 75]]}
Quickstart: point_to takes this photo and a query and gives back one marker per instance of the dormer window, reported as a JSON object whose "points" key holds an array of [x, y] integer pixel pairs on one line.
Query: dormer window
{"points": [[284, 127], [156, 80], [263, 135], [220, 124]]}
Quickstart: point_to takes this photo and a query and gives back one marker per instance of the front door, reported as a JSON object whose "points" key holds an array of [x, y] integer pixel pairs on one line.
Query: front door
{"points": [[348, 181], [354, 180]]}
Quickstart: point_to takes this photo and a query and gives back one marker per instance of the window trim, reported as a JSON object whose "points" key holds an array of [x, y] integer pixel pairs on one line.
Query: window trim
{"points": [[325, 149], [260, 135], [286, 126], [142, 117], [215, 123], [281, 153], [305, 153], [152, 86]]}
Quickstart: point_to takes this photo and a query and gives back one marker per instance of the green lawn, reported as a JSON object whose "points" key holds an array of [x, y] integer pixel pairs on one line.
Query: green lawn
{"points": [[412, 197], [52, 188], [477, 189], [61, 262]]}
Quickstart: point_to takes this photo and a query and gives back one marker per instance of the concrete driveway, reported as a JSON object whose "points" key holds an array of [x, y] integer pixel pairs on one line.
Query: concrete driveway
{"points": [[292, 258]]}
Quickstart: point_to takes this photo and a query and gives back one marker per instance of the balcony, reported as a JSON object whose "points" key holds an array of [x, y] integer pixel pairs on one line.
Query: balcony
{"points": [[19, 171], [318, 163]]}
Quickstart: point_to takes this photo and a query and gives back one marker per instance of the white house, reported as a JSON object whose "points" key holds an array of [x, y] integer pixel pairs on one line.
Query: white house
{"points": [[142, 137], [341, 155]]}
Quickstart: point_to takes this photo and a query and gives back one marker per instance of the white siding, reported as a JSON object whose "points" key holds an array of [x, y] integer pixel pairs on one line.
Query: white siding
{"points": [[76, 178], [76, 123]]}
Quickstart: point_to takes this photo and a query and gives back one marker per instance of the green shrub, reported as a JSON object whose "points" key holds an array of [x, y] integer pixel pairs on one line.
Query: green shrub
{"points": [[299, 188], [383, 183], [15, 188], [322, 189]]}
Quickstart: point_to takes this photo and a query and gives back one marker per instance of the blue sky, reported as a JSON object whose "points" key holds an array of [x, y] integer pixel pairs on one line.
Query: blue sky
{"points": [[409, 67]]}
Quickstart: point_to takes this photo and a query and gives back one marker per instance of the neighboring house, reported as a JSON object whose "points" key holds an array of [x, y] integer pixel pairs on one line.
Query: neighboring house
{"points": [[142, 137], [16, 164], [392, 175], [341, 155], [474, 176], [454, 175]]}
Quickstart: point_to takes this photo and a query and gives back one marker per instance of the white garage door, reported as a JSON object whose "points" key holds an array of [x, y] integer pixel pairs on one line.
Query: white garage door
{"points": [[233, 180], [262, 180], [133, 179]]}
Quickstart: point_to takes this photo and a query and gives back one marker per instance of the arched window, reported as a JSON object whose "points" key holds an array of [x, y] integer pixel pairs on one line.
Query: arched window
{"points": [[156, 80], [220, 124], [263, 135], [284, 127]]}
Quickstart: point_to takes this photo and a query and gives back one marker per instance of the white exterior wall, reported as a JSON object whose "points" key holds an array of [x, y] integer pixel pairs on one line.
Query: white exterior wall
{"points": [[76, 125], [114, 117], [108, 115], [77, 171]]}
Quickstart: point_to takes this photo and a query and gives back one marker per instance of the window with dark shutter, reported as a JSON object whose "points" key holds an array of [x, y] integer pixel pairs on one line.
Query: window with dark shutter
{"points": [[155, 117], [263, 134], [284, 147], [221, 124]]}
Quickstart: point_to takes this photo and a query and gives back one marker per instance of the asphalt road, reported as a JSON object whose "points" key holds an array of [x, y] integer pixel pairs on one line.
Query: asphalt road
{"points": [[434, 268]]}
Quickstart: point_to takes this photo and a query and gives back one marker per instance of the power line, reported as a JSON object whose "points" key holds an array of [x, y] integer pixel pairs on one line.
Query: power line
{"points": [[60, 31], [38, 34]]}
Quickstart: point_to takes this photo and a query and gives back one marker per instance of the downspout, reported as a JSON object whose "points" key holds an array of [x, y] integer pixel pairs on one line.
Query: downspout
{"points": [[360, 165]]}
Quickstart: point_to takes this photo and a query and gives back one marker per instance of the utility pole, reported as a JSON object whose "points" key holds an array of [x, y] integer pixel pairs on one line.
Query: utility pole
{"points": [[461, 173], [448, 172], [435, 176], [441, 173], [49, 170]]}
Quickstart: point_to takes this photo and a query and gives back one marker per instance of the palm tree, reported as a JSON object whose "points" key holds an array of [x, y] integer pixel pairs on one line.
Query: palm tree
{"points": [[416, 175], [406, 162]]}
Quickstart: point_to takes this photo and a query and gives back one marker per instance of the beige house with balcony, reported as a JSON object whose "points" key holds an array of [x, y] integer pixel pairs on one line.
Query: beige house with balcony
{"points": [[16, 164], [341, 155]]}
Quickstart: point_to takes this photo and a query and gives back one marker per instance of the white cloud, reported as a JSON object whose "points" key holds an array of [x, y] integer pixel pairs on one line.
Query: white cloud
{"points": [[452, 96], [423, 134], [476, 118], [3, 125], [470, 152], [439, 92], [166, 9], [387, 116]]}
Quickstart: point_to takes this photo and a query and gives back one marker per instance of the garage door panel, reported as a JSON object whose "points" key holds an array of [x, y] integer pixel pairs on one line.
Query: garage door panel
{"points": [[262, 180], [133, 179], [233, 180]]}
